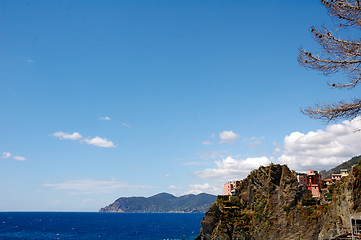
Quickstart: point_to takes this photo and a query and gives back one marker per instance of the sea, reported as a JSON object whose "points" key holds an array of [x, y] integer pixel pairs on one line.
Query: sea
{"points": [[80, 225]]}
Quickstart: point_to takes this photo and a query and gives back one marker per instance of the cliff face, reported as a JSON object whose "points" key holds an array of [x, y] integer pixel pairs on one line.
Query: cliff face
{"points": [[269, 204], [345, 199]]}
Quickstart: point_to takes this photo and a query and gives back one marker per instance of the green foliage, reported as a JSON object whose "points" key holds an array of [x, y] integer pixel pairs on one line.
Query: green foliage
{"points": [[309, 211], [331, 189], [309, 202], [329, 196], [222, 198], [235, 201], [260, 204], [324, 208], [287, 209], [241, 220]]}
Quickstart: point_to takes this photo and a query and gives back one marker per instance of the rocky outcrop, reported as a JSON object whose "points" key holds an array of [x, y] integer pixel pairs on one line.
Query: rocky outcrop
{"points": [[269, 204], [345, 200]]}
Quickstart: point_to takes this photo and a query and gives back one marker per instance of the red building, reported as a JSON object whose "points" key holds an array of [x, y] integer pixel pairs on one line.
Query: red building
{"points": [[230, 187], [313, 183]]}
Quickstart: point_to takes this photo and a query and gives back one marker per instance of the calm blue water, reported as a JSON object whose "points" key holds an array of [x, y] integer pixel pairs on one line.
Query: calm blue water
{"points": [[149, 226]]}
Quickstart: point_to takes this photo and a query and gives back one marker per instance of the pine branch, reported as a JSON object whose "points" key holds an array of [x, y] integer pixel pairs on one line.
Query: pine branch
{"points": [[341, 49], [346, 10], [328, 65], [336, 55], [334, 111]]}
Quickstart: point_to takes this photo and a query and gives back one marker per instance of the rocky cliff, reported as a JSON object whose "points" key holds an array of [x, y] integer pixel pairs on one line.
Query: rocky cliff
{"points": [[269, 204]]}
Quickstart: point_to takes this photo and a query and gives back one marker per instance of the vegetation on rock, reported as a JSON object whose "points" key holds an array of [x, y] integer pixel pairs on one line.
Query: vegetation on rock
{"points": [[269, 204]]}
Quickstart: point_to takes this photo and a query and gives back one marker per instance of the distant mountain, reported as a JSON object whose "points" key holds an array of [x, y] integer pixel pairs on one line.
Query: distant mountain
{"points": [[162, 202], [327, 174]]}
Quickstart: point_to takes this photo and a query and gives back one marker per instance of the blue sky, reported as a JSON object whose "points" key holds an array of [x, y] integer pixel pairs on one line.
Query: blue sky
{"points": [[108, 99]]}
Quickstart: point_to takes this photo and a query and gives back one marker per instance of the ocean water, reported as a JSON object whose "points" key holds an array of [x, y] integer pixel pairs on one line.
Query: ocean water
{"points": [[51, 225]]}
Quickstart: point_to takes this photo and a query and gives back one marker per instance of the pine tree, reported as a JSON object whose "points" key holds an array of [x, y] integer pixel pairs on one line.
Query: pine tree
{"points": [[337, 55]]}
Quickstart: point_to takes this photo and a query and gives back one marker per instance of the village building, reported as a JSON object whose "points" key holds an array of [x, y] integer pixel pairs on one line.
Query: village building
{"points": [[311, 180], [230, 187], [313, 183], [344, 172], [328, 182], [302, 179], [356, 224], [336, 177]]}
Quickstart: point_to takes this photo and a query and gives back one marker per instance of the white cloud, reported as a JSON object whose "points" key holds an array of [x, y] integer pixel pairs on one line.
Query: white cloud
{"points": [[207, 143], [212, 155], [91, 186], [205, 188], [106, 118], [29, 60], [6, 155], [9, 155], [322, 149], [276, 151], [172, 187], [63, 135], [228, 136], [230, 168], [96, 141], [194, 163], [99, 142], [125, 125], [19, 158], [254, 142]]}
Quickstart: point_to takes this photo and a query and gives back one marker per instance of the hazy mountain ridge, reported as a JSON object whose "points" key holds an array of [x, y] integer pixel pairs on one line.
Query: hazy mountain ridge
{"points": [[348, 164], [162, 202]]}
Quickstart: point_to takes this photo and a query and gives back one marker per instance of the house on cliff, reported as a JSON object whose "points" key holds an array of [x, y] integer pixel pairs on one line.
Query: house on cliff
{"points": [[328, 182], [311, 180], [302, 179], [313, 183], [230, 187], [337, 176]]}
